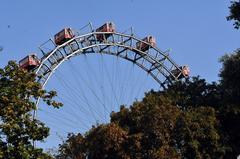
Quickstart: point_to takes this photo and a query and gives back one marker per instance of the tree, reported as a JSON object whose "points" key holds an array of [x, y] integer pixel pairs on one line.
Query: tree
{"points": [[149, 124], [102, 142], [235, 13], [18, 128], [229, 114], [230, 77], [73, 147], [154, 128], [194, 92], [106, 142], [223, 96], [229, 74], [196, 134]]}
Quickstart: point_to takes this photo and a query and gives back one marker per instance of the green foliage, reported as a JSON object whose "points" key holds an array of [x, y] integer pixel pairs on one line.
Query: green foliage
{"points": [[74, 147], [230, 77], [229, 114], [229, 119], [153, 129], [235, 13], [149, 124], [106, 141], [196, 134], [103, 141], [18, 129], [194, 92]]}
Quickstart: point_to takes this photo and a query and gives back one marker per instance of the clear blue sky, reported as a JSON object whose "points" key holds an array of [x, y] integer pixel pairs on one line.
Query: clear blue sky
{"points": [[196, 31]]}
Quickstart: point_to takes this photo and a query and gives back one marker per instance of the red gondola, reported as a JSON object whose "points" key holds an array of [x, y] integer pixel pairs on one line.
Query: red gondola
{"points": [[107, 27], [29, 62], [182, 72], [63, 36], [143, 46]]}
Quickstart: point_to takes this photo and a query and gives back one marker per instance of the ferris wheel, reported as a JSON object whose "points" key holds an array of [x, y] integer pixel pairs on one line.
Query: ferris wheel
{"points": [[125, 48]]}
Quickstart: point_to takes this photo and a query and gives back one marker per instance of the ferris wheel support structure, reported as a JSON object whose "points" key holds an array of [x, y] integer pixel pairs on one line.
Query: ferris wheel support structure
{"points": [[153, 61]]}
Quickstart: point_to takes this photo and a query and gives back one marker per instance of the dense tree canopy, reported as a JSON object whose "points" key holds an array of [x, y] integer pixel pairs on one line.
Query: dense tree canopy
{"points": [[152, 129], [230, 77], [194, 92], [229, 115], [18, 129]]}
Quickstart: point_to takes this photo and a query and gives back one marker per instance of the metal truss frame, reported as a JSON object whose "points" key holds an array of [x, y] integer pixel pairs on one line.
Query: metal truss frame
{"points": [[154, 61]]}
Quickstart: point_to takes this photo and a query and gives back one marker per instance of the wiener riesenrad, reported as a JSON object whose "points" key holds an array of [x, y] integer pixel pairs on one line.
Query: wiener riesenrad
{"points": [[90, 83]]}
